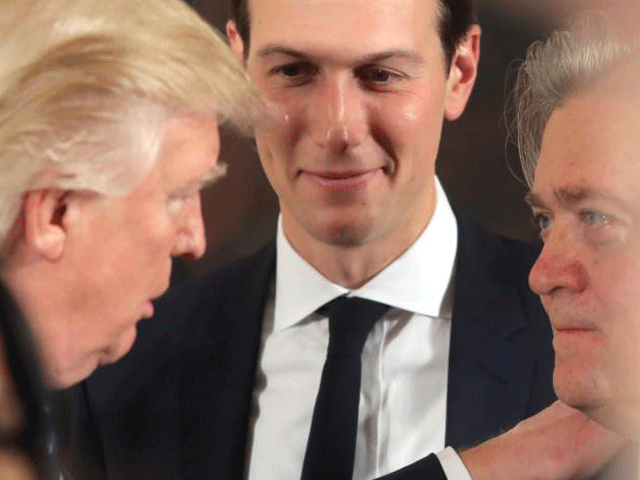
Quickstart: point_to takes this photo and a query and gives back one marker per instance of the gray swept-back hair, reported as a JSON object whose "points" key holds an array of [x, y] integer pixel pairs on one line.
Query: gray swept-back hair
{"points": [[567, 63], [87, 85]]}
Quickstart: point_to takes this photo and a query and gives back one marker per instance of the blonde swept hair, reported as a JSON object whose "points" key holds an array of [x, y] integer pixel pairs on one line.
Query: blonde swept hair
{"points": [[87, 85], [567, 63]]}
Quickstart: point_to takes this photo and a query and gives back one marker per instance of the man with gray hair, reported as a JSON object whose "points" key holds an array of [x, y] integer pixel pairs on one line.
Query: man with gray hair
{"points": [[109, 115], [576, 119]]}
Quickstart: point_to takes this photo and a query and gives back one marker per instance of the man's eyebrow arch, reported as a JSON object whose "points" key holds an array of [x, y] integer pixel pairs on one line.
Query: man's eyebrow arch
{"points": [[399, 53], [217, 171], [570, 196], [403, 54], [279, 50], [209, 177], [566, 196], [534, 200]]}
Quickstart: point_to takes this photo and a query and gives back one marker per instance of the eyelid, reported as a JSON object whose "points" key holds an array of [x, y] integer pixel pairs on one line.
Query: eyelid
{"points": [[537, 216], [375, 66], [393, 74], [305, 67], [604, 218]]}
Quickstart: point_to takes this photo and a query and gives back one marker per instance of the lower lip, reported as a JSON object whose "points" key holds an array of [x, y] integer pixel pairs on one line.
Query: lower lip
{"points": [[342, 184], [570, 335], [571, 332], [575, 330], [148, 310]]}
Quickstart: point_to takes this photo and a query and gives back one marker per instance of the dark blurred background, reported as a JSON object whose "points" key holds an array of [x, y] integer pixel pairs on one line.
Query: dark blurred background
{"points": [[477, 167]]}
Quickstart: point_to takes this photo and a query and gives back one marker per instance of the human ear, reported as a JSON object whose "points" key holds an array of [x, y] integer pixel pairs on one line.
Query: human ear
{"points": [[462, 74], [45, 226], [235, 41]]}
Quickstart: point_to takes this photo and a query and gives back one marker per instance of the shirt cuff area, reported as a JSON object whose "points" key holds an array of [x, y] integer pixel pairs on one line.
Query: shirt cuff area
{"points": [[452, 465]]}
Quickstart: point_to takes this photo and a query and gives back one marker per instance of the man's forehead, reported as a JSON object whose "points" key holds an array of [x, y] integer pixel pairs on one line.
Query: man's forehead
{"points": [[273, 20], [571, 197], [594, 134]]}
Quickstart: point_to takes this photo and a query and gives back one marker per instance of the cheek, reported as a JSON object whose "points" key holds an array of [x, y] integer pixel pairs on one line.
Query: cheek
{"points": [[270, 157], [156, 237], [615, 280], [406, 125], [278, 137], [620, 290], [283, 119]]}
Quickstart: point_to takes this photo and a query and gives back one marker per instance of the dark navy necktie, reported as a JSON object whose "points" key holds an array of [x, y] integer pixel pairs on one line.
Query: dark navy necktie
{"points": [[332, 438], [53, 469]]}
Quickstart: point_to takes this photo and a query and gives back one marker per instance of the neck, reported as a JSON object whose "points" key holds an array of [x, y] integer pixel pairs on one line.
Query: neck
{"points": [[40, 303]]}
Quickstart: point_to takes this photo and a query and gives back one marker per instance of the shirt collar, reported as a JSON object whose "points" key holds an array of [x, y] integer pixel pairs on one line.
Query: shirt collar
{"points": [[417, 281]]}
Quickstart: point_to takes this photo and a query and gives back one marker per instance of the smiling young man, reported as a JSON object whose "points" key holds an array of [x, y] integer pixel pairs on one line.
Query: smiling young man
{"points": [[356, 93]]}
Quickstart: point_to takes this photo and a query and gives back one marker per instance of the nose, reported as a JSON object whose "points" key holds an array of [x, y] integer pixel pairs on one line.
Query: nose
{"points": [[190, 239], [338, 114], [558, 268]]}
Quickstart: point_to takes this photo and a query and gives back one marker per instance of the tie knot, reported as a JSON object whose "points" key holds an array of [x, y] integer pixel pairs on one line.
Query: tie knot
{"points": [[350, 321]]}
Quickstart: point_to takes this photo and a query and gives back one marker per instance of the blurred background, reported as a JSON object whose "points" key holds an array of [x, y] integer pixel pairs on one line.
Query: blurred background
{"points": [[478, 168]]}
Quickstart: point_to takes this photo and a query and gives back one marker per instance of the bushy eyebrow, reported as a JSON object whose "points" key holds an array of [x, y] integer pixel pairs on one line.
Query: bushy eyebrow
{"points": [[278, 50], [217, 171], [408, 55], [209, 177], [534, 200], [402, 54], [570, 196]]}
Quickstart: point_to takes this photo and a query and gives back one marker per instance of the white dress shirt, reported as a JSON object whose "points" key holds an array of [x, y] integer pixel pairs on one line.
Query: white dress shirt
{"points": [[405, 359]]}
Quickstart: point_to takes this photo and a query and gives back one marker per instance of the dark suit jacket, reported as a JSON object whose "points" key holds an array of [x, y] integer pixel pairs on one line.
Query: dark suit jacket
{"points": [[178, 406]]}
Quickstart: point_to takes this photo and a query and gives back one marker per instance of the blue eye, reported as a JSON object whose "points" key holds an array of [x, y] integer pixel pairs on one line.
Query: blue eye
{"points": [[542, 221], [594, 219]]}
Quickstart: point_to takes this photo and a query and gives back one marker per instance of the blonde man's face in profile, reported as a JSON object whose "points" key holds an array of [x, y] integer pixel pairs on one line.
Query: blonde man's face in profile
{"points": [[119, 253]]}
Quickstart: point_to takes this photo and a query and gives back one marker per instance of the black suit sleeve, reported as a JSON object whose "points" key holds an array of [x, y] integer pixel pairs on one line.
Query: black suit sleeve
{"points": [[428, 468]]}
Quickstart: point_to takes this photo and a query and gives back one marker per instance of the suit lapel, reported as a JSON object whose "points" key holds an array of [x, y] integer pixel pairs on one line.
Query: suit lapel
{"points": [[220, 402], [489, 377], [177, 406]]}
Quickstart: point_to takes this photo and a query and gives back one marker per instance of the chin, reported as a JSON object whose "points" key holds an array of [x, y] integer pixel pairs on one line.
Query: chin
{"points": [[580, 388], [345, 233], [68, 376], [344, 239], [119, 348]]}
